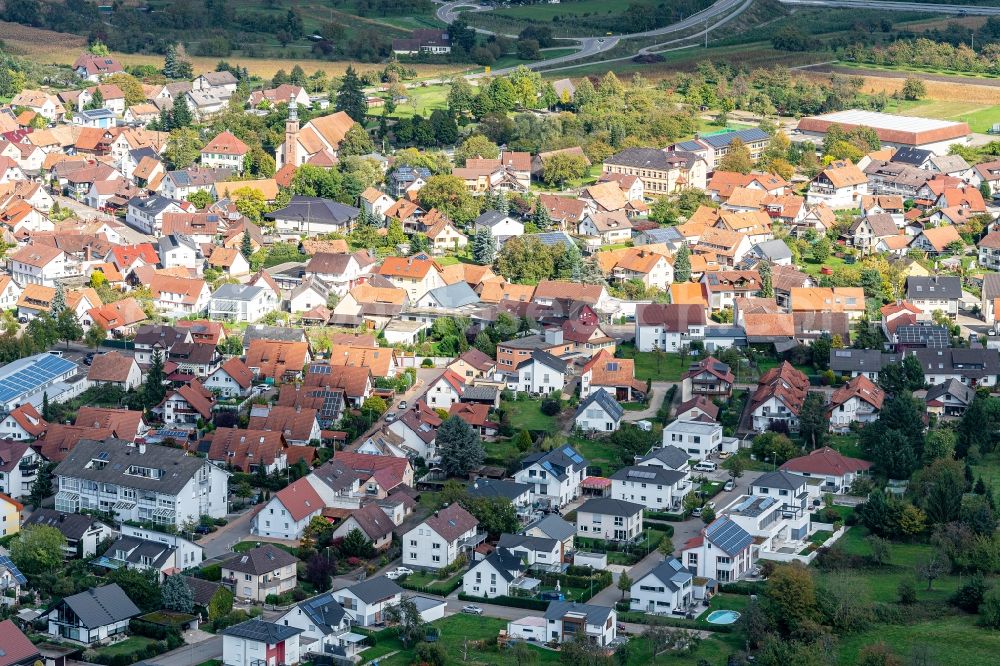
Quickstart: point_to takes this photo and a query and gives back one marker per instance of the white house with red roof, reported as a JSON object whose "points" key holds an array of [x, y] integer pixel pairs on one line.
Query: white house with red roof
{"points": [[232, 379], [857, 401], [225, 151], [837, 471], [186, 404], [38, 264], [445, 391], [23, 424]]}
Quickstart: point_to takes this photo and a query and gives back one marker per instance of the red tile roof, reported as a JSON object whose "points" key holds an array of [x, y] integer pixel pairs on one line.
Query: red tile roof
{"points": [[300, 499], [826, 461]]}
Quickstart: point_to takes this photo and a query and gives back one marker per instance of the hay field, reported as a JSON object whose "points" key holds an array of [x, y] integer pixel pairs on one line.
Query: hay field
{"points": [[60, 48]]}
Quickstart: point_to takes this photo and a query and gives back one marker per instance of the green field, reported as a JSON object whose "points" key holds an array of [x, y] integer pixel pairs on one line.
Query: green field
{"points": [[577, 8], [980, 116], [668, 368], [951, 640], [597, 453]]}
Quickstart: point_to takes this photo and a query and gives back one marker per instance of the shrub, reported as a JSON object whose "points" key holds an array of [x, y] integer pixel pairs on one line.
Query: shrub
{"points": [[427, 363], [551, 406], [906, 592]]}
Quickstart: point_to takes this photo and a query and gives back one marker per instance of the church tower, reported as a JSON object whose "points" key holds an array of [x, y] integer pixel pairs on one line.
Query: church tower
{"points": [[290, 153]]}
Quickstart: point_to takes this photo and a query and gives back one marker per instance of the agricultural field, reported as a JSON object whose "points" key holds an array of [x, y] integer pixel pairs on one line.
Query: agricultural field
{"points": [[979, 116]]}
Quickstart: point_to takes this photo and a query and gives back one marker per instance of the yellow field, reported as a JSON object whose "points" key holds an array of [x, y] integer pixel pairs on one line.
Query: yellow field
{"points": [[936, 90], [61, 48]]}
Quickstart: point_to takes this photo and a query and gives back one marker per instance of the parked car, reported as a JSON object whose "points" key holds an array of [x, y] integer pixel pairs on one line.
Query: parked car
{"points": [[472, 609], [552, 596], [203, 529], [390, 417], [402, 405], [730, 484], [398, 572]]}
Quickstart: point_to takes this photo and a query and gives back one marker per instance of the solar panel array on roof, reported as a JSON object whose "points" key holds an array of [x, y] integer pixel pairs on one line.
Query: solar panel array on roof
{"points": [[638, 474], [728, 536], [5, 562], [932, 336], [33, 376], [319, 369], [573, 455]]}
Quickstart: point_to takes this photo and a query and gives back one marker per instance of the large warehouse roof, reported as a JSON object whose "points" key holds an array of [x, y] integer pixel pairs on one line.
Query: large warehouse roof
{"points": [[900, 130]]}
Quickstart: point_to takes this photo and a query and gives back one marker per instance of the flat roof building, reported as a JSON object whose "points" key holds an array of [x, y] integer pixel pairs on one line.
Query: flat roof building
{"points": [[896, 131]]}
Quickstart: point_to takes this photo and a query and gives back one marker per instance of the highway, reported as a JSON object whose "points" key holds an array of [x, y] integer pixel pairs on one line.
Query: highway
{"points": [[888, 5], [707, 19]]}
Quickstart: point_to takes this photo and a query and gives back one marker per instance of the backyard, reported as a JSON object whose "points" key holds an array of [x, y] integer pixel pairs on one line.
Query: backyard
{"points": [[527, 415], [456, 632], [430, 581], [664, 366]]}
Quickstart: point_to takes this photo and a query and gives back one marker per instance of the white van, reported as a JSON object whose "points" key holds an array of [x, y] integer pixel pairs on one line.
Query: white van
{"points": [[706, 466]]}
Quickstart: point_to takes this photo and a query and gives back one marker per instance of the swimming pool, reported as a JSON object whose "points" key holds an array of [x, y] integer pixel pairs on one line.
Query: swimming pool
{"points": [[722, 617]]}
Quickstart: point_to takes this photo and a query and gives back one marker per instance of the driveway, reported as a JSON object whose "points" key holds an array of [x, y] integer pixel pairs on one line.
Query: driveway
{"points": [[659, 390], [189, 655]]}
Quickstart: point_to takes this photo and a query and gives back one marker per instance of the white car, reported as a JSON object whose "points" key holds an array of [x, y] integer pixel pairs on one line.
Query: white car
{"points": [[398, 572]]}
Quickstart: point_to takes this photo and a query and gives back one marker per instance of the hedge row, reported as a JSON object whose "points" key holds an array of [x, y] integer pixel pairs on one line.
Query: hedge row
{"points": [[504, 600], [600, 580], [745, 587], [663, 515]]}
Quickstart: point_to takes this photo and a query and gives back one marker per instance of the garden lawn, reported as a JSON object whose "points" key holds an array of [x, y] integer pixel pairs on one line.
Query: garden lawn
{"points": [[422, 100], [669, 368], [479, 631], [811, 267], [846, 444], [989, 469], [951, 640], [723, 601], [244, 546], [527, 415], [502, 450], [597, 453], [127, 646], [430, 580]]}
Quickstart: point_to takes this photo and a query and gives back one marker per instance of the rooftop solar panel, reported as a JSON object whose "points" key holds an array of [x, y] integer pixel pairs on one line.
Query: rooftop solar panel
{"points": [[34, 375], [18, 576]]}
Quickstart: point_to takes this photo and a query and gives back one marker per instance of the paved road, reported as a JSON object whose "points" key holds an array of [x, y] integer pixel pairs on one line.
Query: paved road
{"points": [[888, 5], [221, 541], [713, 16]]}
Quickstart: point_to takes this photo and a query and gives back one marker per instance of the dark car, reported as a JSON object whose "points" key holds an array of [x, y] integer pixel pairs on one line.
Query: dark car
{"points": [[552, 596], [203, 529]]}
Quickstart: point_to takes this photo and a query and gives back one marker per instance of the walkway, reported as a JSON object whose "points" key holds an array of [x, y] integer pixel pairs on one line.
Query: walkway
{"points": [[659, 390]]}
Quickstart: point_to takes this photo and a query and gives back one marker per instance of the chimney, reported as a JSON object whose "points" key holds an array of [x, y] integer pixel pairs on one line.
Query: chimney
{"points": [[554, 336], [142, 448]]}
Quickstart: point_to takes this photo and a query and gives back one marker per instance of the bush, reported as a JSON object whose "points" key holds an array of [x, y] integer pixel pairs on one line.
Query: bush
{"points": [[212, 572], [906, 592], [551, 406], [427, 363]]}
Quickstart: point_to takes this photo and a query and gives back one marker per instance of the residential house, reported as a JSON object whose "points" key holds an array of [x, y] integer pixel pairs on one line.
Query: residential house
{"points": [[500, 226], [778, 398], [313, 216], [440, 539], [93, 616], [375, 202], [775, 513], [949, 399], [83, 533], [541, 373], [146, 213], [473, 364], [416, 276], [518, 494], [839, 185], [183, 295], [566, 620], [652, 486], [857, 401], [372, 521], [323, 622], [342, 272], [936, 240], [598, 412], [708, 377], [498, 574], [723, 551], [724, 287], [145, 491], [366, 602], [609, 519], [836, 471], [974, 367], [38, 264], [253, 450], [225, 151], [259, 572], [937, 293], [699, 439], [277, 361], [297, 424], [257, 641], [233, 379], [610, 227], [242, 303], [850, 300], [616, 376], [667, 327], [665, 589], [115, 369], [555, 476], [661, 171]]}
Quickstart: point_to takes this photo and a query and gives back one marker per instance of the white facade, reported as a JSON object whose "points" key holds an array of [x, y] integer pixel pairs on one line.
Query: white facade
{"points": [[534, 376], [697, 438], [425, 548], [559, 489], [609, 527], [657, 336], [249, 305], [47, 274], [188, 553], [238, 651]]}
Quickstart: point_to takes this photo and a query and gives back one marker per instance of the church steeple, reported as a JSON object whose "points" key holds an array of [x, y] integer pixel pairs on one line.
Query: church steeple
{"points": [[291, 146]]}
